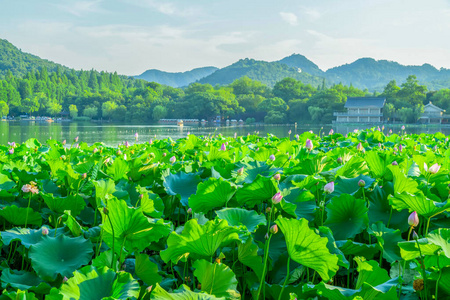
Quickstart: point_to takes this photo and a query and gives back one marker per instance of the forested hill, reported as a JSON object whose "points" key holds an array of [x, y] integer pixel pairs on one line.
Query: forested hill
{"points": [[300, 62], [19, 63], [178, 79], [268, 73], [375, 74]]}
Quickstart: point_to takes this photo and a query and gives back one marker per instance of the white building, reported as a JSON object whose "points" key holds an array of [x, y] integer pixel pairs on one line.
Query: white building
{"points": [[432, 114], [362, 110]]}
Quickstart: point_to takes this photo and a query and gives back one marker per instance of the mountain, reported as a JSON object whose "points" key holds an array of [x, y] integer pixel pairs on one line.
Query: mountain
{"points": [[301, 63], [179, 79], [375, 74], [19, 63], [267, 72]]}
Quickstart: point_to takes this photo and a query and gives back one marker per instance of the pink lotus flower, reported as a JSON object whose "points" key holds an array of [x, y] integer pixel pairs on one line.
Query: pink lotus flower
{"points": [[390, 131], [297, 137], [173, 159], [329, 187], [223, 147], [64, 142], [277, 198], [403, 127], [273, 229], [309, 145], [127, 144], [277, 177], [189, 211], [11, 151], [433, 169], [413, 219], [272, 157], [76, 140], [95, 150], [235, 134], [394, 163], [331, 132], [164, 154], [289, 132], [151, 141], [136, 136], [240, 171]]}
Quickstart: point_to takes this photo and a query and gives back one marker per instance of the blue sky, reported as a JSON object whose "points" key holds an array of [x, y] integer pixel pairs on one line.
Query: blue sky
{"points": [[131, 36]]}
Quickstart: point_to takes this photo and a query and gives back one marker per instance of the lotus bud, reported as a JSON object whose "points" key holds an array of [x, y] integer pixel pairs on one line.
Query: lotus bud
{"points": [[223, 147], [84, 176], [277, 198], [240, 171], [413, 219], [434, 168], [400, 148], [361, 183], [127, 144], [11, 151], [150, 141], [136, 136], [105, 210], [235, 135], [403, 127], [164, 154], [382, 127], [297, 137], [206, 144], [289, 132], [189, 211], [268, 210], [95, 150], [309, 145], [64, 142], [415, 236], [107, 160], [339, 160], [173, 159], [390, 131], [331, 132], [119, 152], [446, 139], [149, 289], [359, 147], [44, 231], [394, 163], [273, 229], [65, 279], [379, 145], [277, 177], [272, 157], [378, 128], [76, 140], [329, 187], [290, 156]]}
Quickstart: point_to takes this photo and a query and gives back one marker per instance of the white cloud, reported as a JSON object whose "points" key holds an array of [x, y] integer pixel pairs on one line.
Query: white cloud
{"points": [[289, 18], [165, 7], [79, 8]]}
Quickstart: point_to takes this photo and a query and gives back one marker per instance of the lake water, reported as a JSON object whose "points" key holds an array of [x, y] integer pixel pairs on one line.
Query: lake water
{"points": [[113, 134]]}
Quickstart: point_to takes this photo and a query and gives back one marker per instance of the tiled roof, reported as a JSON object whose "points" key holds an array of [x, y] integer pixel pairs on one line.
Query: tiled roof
{"points": [[365, 102]]}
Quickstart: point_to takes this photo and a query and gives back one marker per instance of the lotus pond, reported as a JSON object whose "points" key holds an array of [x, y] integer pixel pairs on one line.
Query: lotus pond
{"points": [[362, 216]]}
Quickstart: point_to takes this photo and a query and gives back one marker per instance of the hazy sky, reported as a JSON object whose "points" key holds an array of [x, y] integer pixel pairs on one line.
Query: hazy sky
{"points": [[131, 36]]}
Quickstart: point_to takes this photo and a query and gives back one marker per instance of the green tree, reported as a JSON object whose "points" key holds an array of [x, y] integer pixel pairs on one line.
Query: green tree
{"points": [[90, 112], [108, 109], [73, 111], [159, 112], [316, 113], [273, 104], [54, 108], [4, 109], [388, 111], [275, 117]]}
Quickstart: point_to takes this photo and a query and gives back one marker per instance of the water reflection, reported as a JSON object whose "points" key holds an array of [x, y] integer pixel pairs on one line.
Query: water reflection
{"points": [[113, 134]]}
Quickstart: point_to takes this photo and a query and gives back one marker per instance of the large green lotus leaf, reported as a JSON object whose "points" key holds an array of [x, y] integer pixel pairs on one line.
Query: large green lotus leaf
{"points": [[131, 227], [74, 203], [183, 293], [441, 237], [200, 240], [182, 184], [104, 190], [105, 260], [248, 255], [118, 169], [326, 232], [23, 280], [27, 236], [18, 295], [60, 255], [237, 217], [384, 291], [350, 247], [350, 185], [308, 248], [216, 279], [377, 165], [380, 210], [152, 205], [6, 183], [402, 183], [346, 216], [388, 239], [262, 189], [18, 215], [147, 270], [215, 154], [409, 250], [370, 273], [72, 224], [419, 203], [309, 166], [213, 193], [90, 283], [354, 167]]}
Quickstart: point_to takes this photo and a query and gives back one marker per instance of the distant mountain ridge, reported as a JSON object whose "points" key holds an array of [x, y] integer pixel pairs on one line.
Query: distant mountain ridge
{"points": [[178, 79]]}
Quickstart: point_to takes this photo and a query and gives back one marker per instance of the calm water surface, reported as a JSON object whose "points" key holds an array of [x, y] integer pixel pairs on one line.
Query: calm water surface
{"points": [[113, 134]]}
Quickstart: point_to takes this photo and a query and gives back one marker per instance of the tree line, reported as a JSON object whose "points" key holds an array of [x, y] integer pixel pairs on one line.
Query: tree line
{"points": [[108, 96]]}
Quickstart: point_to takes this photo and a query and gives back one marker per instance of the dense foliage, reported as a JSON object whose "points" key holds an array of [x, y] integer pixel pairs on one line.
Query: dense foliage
{"points": [[178, 79], [363, 216]]}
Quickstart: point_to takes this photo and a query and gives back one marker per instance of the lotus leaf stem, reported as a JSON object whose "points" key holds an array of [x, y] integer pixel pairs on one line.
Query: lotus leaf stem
{"points": [[287, 277]]}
